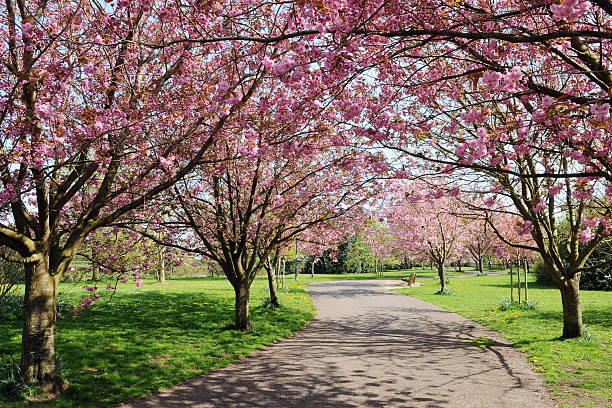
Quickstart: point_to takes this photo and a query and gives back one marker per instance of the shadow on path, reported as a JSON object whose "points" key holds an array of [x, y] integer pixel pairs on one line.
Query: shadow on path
{"points": [[370, 348]]}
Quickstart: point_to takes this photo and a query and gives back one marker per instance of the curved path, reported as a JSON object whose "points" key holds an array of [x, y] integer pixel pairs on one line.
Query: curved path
{"points": [[369, 347]]}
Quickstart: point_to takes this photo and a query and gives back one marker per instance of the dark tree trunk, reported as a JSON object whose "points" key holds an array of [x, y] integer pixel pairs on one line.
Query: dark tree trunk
{"points": [[526, 284], [518, 279], [511, 282], [243, 315], [442, 276], [38, 360], [572, 308], [272, 286], [479, 261]]}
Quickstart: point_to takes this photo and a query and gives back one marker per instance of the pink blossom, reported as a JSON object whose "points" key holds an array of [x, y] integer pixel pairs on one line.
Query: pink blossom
{"points": [[91, 288], [110, 287], [492, 79], [136, 275], [139, 283], [600, 112], [541, 206], [523, 228], [44, 110], [569, 9], [473, 116], [496, 188], [586, 235], [123, 280], [166, 162], [556, 189]]}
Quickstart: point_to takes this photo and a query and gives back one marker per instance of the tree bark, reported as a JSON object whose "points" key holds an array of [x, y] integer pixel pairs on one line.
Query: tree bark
{"points": [[38, 359], [526, 284], [162, 267], [511, 282], [243, 315], [272, 286], [442, 275], [518, 279], [572, 308], [480, 271]]}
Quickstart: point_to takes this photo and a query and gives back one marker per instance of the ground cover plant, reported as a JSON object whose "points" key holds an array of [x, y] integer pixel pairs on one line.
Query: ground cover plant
{"points": [[577, 370], [154, 336]]}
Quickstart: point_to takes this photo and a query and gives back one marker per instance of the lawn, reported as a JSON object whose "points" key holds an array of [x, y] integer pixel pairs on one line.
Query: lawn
{"points": [[152, 337], [579, 371]]}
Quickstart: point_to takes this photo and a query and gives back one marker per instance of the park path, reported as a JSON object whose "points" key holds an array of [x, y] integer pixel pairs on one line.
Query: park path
{"points": [[369, 347]]}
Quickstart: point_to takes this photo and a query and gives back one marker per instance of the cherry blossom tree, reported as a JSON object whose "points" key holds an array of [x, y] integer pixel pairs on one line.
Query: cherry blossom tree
{"points": [[102, 108], [427, 223]]}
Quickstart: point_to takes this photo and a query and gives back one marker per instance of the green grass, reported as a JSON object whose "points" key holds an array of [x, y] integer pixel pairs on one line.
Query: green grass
{"points": [[155, 336], [579, 371]]}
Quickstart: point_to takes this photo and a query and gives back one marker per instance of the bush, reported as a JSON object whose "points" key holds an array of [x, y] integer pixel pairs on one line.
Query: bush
{"points": [[11, 307], [596, 279], [507, 304], [10, 275], [11, 379]]}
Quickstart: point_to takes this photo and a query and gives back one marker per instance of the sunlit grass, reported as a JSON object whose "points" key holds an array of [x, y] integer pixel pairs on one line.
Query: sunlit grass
{"points": [[579, 370], [158, 335]]}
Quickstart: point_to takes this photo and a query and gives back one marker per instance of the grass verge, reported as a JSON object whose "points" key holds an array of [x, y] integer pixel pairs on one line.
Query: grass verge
{"points": [[579, 371], [158, 335]]}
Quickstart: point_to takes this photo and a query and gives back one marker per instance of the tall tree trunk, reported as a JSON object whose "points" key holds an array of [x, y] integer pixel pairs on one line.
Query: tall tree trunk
{"points": [[442, 276], [459, 265], [511, 282], [518, 279], [243, 315], [38, 339], [480, 271], [572, 308], [526, 284], [161, 277], [272, 285], [312, 265]]}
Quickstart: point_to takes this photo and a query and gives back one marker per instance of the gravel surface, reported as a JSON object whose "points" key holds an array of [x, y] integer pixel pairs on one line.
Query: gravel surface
{"points": [[369, 347]]}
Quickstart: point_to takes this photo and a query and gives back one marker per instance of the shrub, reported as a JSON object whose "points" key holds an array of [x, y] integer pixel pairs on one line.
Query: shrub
{"points": [[10, 275], [11, 307], [507, 304]]}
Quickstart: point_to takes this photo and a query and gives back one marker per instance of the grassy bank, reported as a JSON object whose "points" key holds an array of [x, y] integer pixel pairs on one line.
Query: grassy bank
{"points": [[152, 337], [579, 371]]}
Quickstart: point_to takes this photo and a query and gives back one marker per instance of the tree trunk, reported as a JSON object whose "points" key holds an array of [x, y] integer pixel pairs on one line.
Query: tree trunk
{"points": [[526, 284], [518, 279], [572, 308], [442, 275], [38, 360], [312, 268], [490, 263], [243, 316], [272, 286], [511, 282], [162, 267], [480, 271]]}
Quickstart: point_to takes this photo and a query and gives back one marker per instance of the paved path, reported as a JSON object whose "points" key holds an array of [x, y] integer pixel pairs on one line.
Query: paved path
{"points": [[369, 347]]}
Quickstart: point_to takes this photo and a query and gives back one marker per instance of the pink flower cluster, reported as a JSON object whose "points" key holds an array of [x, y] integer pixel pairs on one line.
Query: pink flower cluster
{"points": [[524, 227], [569, 10]]}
